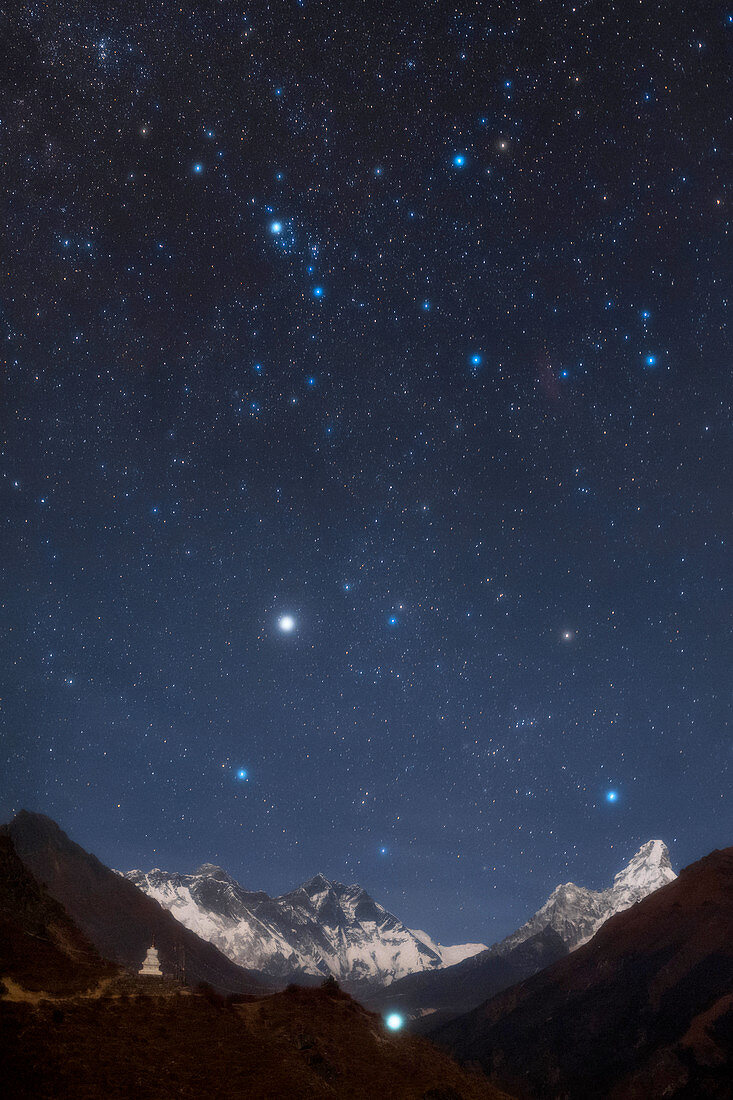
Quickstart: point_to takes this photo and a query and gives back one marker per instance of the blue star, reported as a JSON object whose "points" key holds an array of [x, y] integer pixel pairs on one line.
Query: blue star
{"points": [[393, 620], [476, 360], [198, 168], [650, 360], [394, 1021], [242, 773], [318, 291], [276, 227], [611, 796], [459, 160], [311, 381], [426, 306]]}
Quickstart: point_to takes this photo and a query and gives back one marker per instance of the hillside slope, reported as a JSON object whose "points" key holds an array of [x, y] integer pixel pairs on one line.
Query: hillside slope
{"points": [[120, 920], [40, 946], [645, 1009]]}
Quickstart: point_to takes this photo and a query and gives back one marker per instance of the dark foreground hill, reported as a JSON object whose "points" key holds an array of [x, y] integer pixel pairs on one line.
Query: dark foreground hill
{"points": [[301, 1043], [120, 920], [73, 1026], [40, 946], [644, 1010], [456, 989]]}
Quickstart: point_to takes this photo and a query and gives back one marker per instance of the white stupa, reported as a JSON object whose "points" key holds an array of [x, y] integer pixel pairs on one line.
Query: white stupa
{"points": [[151, 966]]}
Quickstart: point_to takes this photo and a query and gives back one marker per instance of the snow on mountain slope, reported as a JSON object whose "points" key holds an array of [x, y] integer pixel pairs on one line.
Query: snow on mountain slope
{"points": [[321, 928], [450, 955], [576, 913]]}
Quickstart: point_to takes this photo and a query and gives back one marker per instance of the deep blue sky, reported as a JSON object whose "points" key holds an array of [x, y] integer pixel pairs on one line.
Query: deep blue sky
{"points": [[409, 322]]}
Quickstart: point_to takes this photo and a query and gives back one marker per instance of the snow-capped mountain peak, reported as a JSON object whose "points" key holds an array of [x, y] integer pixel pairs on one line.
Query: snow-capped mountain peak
{"points": [[319, 884], [576, 913], [321, 928], [649, 869], [210, 870]]}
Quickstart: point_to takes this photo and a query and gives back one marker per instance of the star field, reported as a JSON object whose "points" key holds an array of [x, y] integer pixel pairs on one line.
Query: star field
{"points": [[365, 460]]}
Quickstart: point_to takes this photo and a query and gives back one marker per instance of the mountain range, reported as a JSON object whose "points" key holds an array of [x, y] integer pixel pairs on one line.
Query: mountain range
{"points": [[325, 928], [321, 929]]}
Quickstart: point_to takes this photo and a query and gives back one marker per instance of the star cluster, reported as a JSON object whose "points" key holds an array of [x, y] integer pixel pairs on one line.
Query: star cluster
{"points": [[365, 437]]}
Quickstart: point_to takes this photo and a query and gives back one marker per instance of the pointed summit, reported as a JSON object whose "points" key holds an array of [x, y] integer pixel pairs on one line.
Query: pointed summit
{"points": [[576, 913], [211, 870], [316, 885], [651, 860], [645, 872]]}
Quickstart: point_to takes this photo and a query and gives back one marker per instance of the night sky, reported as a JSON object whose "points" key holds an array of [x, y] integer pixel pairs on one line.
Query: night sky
{"points": [[365, 466]]}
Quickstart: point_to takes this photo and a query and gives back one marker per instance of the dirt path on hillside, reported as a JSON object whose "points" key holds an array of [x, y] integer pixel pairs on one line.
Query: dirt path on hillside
{"points": [[18, 995]]}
